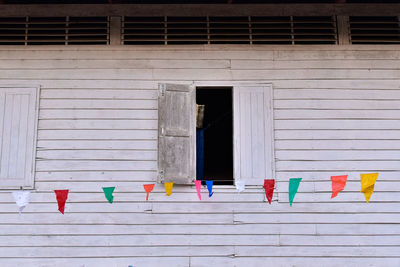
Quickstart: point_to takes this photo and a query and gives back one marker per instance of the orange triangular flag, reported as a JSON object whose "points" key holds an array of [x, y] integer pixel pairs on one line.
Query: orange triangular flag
{"points": [[148, 188], [168, 188], [338, 184]]}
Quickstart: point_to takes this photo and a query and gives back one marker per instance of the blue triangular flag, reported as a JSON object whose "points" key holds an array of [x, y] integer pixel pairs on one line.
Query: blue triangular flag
{"points": [[209, 187]]}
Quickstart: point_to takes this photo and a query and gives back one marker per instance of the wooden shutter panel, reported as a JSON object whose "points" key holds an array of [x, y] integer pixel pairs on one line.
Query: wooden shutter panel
{"points": [[177, 140], [253, 134], [18, 118]]}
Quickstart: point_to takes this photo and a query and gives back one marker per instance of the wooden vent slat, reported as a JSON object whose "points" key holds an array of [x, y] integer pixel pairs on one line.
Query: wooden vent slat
{"points": [[229, 30], [54, 31], [374, 30]]}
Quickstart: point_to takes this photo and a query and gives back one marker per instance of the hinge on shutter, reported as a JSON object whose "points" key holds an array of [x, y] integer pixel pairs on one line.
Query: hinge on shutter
{"points": [[161, 88], [161, 176]]}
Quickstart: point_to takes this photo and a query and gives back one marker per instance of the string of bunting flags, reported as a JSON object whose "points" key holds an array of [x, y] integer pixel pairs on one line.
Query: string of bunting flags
{"points": [[368, 181]]}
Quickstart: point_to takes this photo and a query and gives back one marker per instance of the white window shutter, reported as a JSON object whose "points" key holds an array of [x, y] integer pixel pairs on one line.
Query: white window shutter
{"points": [[253, 134], [18, 120], [177, 135]]}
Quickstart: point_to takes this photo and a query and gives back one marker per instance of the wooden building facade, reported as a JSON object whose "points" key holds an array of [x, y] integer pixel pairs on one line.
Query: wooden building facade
{"points": [[319, 96]]}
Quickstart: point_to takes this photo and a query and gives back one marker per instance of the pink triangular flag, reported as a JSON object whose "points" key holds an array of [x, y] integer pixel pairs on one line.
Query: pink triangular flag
{"points": [[198, 188]]}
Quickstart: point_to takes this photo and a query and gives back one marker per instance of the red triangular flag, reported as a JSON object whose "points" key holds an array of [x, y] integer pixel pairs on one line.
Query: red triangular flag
{"points": [[62, 196], [269, 185], [338, 184], [148, 188]]}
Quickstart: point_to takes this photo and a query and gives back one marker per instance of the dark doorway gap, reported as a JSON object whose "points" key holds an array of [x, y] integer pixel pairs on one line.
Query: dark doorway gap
{"points": [[218, 133]]}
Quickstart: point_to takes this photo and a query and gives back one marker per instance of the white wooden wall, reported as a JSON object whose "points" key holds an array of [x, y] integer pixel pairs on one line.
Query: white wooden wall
{"points": [[337, 111]]}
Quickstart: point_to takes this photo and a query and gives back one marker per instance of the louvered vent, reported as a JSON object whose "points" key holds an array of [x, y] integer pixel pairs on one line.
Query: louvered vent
{"points": [[375, 30], [229, 30], [54, 31]]}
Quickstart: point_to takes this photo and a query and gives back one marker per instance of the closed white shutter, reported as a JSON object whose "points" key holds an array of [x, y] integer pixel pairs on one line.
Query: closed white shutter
{"points": [[177, 139], [253, 134], [18, 119]]}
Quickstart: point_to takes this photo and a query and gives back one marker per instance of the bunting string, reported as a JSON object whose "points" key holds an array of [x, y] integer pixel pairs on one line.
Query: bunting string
{"points": [[368, 181]]}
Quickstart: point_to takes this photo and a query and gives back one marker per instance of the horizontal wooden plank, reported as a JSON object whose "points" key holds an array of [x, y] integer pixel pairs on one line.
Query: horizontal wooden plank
{"points": [[148, 240], [336, 144], [98, 93], [336, 114], [97, 144], [140, 54], [191, 74], [294, 261], [109, 124], [180, 229], [229, 229], [83, 74], [317, 251], [97, 261], [115, 63], [337, 104], [302, 240], [357, 229], [115, 218], [372, 166], [208, 208], [97, 104], [96, 155], [97, 134], [332, 124], [316, 218], [336, 134], [61, 84], [95, 165], [97, 114], [96, 176], [72, 252], [198, 240], [241, 64], [341, 155], [339, 94], [392, 84], [326, 55], [302, 74]]}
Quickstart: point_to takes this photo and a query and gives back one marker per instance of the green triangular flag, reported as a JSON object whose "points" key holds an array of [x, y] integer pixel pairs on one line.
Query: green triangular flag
{"points": [[293, 186], [108, 191]]}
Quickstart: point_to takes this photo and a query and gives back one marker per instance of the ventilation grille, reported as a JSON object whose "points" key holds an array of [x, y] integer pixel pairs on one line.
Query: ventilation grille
{"points": [[375, 30], [229, 30], [54, 31]]}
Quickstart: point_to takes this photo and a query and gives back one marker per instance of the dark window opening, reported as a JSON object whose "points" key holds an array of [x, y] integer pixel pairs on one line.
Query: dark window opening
{"points": [[217, 129]]}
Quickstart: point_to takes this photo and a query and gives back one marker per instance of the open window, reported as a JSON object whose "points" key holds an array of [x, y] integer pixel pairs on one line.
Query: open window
{"points": [[248, 157], [214, 134]]}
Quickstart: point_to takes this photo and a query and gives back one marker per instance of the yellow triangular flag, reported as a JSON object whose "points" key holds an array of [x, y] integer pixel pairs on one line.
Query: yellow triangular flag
{"points": [[368, 184], [168, 188]]}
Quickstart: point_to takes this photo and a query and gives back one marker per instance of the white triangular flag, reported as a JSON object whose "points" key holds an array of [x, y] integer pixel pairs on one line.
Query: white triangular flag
{"points": [[21, 198], [240, 185]]}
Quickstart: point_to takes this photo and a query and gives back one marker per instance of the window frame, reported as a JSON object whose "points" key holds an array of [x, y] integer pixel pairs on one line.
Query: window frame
{"points": [[234, 85]]}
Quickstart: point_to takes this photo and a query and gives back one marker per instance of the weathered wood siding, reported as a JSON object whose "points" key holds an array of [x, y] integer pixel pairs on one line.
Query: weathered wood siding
{"points": [[337, 111]]}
